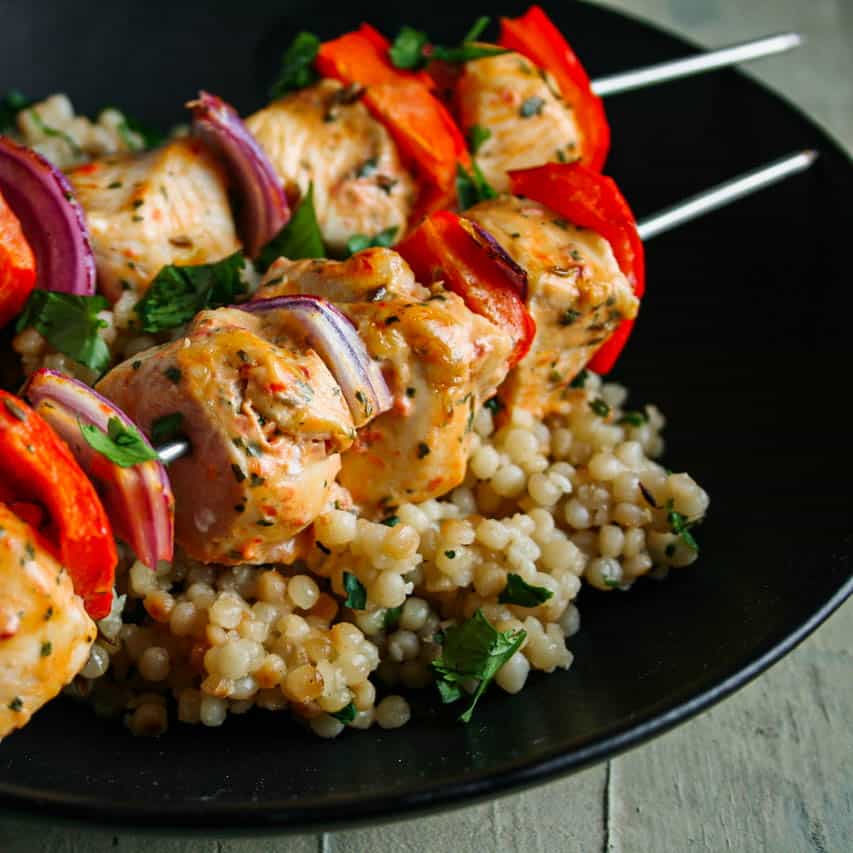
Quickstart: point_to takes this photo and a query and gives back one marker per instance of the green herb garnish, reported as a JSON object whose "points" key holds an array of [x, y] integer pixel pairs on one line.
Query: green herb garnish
{"points": [[177, 294], [634, 419], [384, 239], [599, 407], [531, 107], [11, 104], [70, 324], [477, 135], [412, 48], [121, 444], [472, 650], [680, 526], [392, 617], [472, 187], [356, 593], [345, 715], [390, 521], [297, 65], [518, 591], [300, 238], [580, 380]]}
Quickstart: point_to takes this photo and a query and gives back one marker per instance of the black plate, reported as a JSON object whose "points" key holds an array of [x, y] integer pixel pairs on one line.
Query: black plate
{"points": [[742, 343]]}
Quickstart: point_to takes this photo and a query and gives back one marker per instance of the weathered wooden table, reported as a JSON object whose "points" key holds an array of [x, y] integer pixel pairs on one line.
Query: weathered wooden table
{"points": [[771, 769]]}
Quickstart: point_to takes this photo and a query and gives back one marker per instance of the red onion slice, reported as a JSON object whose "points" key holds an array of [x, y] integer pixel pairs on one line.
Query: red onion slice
{"points": [[264, 209], [336, 341], [53, 222], [139, 499]]}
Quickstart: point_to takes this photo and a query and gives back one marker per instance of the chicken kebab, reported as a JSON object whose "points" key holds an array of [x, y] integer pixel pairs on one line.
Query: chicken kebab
{"points": [[326, 389]]}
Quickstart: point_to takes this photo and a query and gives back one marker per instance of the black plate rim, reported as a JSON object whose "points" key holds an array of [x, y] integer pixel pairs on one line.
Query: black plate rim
{"points": [[199, 819]]}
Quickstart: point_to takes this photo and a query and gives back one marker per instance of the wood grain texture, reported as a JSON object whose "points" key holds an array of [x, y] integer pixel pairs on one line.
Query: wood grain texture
{"points": [[771, 769]]}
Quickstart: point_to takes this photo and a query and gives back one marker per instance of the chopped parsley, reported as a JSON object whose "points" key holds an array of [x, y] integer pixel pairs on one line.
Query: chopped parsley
{"points": [[634, 419], [166, 427], [569, 316], [410, 392], [451, 555], [46, 649], [239, 474], [580, 380], [16, 704], [121, 444], [345, 715], [392, 617], [297, 65], [680, 526], [472, 187], [477, 135], [423, 449], [531, 107], [390, 521], [360, 242], [173, 374], [356, 593], [299, 238], [599, 407], [70, 324], [494, 404], [178, 293], [517, 591], [412, 49], [367, 168], [132, 131], [472, 650], [47, 130]]}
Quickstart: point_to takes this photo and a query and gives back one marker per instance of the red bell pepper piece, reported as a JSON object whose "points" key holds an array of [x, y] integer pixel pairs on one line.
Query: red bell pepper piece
{"points": [[449, 248], [419, 123], [17, 265], [36, 465], [534, 35], [590, 200]]}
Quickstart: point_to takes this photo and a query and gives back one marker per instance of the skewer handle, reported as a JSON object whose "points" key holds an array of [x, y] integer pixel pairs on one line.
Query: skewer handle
{"points": [[725, 193], [664, 71]]}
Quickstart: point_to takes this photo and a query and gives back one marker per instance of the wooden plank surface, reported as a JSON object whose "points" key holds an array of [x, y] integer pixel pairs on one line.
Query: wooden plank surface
{"points": [[771, 769]]}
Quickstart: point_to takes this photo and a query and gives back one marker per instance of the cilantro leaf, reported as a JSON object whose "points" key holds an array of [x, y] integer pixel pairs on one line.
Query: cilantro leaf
{"points": [[121, 444], [477, 135], [300, 238], [477, 28], [518, 591], [70, 324], [166, 428], [10, 105], [359, 242], [465, 52], [473, 650], [345, 715], [177, 294], [54, 132], [634, 419], [297, 65], [356, 593], [580, 380], [472, 187]]}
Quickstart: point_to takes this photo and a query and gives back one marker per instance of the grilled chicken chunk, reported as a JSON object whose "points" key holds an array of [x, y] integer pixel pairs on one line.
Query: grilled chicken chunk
{"points": [[521, 107], [144, 211], [576, 294], [441, 361], [324, 135], [45, 634], [266, 420]]}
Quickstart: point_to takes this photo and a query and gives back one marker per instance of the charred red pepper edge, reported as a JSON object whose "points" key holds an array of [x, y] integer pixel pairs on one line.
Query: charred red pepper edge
{"points": [[584, 197], [425, 133], [449, 248], [37, 466], [534, 35]]}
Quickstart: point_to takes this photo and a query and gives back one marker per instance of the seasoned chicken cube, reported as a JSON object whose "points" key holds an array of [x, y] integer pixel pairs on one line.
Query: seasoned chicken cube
{"points": [[576, 294], [324, 135], [45, 634], [144, 211], [441, 362], [266, 420], [521, 107]]}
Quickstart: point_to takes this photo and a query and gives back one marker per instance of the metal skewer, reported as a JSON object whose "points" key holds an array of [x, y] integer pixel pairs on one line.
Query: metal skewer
{"points": [[725, 193], [724, 56], [665, 220]]}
